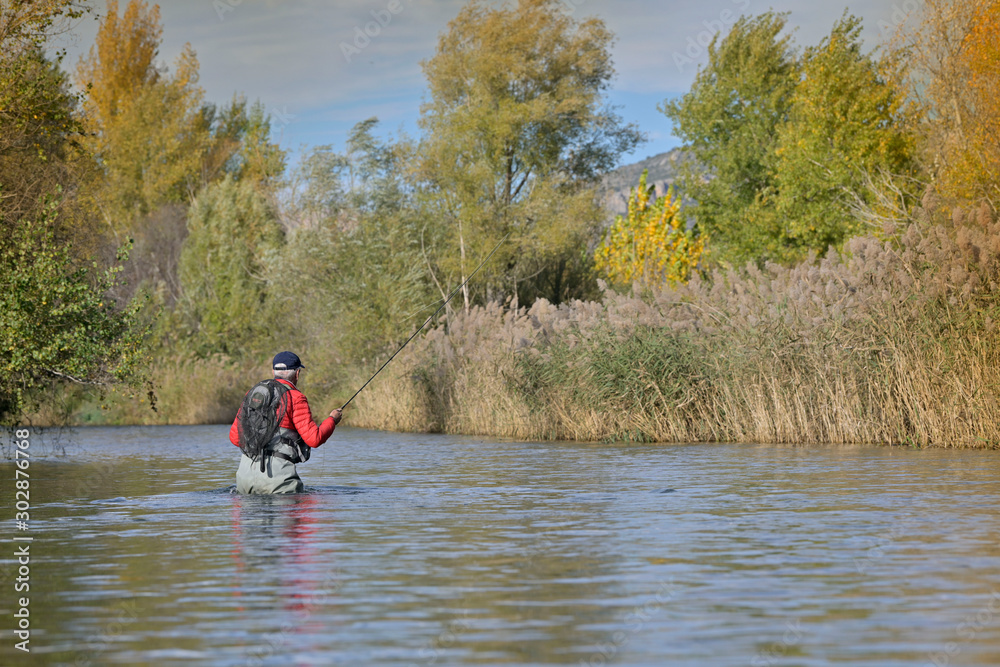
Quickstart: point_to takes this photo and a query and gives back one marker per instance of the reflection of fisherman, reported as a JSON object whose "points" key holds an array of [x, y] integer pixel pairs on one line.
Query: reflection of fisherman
{"points": [[275, 430]]}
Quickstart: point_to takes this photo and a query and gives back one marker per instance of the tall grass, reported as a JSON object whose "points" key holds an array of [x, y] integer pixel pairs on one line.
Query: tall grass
{"points": [[190, 389], [187, 390], [892, 342]]}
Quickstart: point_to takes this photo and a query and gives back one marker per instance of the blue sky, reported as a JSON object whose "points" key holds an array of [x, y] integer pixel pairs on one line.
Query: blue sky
{"points": [[310, 64]]}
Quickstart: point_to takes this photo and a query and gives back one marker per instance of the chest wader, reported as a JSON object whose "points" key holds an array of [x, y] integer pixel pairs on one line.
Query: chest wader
{"points": [[287, 444], [258, 421]]}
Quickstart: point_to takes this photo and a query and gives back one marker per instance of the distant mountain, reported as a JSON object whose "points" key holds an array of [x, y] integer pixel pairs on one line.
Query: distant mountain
{"points": [[664, 169]]}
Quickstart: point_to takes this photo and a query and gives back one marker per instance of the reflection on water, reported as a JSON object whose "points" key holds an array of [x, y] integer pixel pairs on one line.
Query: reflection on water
{"points": [[432, 550]]}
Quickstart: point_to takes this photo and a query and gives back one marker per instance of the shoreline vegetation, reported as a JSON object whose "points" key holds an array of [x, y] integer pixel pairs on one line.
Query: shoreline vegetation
{"points": [[895, 344], [826, 270]]}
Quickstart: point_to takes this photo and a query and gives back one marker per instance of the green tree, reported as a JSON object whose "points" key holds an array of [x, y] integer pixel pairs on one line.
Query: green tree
{"points": [[516, 131], [233, 230], [377, 171], [729, 121], [318, 190], [788, 142], [59, 319], [57, 323], [372, 176], [354, 253], [367, 289], [846, 120]]}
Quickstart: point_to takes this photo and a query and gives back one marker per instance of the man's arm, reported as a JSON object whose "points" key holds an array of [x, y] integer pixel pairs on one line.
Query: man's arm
{"points": [[311, 434]]}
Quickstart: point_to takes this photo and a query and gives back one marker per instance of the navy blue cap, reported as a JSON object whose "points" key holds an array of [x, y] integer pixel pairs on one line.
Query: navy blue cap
{"points": [[286, 361]]}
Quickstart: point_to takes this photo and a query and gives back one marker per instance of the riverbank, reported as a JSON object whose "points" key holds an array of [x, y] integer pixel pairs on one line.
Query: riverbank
{"points": [[893, 343]]}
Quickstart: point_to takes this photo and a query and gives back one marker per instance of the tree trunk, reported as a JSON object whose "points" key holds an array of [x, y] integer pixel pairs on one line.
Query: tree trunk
{"points": [[461, 249]]}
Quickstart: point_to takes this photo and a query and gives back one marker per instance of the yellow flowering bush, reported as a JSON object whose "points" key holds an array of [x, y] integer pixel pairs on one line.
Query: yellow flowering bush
{"points": [[650, 243]]}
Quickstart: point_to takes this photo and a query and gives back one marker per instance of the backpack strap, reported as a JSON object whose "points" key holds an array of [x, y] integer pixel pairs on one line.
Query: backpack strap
{"points": [[276, 402], [280, 390]]}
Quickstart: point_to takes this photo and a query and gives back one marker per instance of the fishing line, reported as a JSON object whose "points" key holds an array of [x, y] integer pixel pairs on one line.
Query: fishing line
{"points": [[420, 309], [433, 315]]}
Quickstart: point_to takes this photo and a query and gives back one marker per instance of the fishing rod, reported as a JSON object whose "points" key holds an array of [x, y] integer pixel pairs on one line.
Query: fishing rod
{"points": [[433, 315]]}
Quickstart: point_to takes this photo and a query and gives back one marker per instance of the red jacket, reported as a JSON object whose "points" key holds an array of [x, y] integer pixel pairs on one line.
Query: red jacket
{"points": [[297, 417]]}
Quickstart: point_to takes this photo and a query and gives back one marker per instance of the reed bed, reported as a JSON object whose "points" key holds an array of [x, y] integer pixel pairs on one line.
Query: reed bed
{"points": [[188, 390], [888, 342]]}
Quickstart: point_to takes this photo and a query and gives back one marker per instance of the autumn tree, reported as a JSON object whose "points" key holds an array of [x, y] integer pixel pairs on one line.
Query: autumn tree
{"points": [[157, 143], [256, 157], [38, 129], [517, 129], [240, 144], [938, 43], [649, 244], [58, 323], [145, 127], [982, 55]]}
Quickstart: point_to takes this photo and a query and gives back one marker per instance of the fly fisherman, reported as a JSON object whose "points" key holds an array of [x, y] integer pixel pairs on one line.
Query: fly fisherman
{"points": [[274, 430]]}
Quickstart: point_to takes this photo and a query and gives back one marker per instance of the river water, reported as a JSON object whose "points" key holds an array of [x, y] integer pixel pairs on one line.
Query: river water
{"points": [[444, 550]]}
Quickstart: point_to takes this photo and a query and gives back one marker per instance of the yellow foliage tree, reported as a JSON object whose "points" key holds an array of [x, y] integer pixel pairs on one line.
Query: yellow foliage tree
{"points": [[953, 56], [145, 127], [982, 56], [649, 244]]}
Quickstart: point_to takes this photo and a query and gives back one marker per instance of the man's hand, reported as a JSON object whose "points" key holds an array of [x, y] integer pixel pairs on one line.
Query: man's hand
{"points": [[337, 416]]}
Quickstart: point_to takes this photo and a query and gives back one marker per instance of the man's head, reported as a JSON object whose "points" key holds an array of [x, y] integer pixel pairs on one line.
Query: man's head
{"points": [[286, 366]]}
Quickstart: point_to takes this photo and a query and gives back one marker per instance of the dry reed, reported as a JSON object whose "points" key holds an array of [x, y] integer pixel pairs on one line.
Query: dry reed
{"points": [[188, 390], [890, 342]]}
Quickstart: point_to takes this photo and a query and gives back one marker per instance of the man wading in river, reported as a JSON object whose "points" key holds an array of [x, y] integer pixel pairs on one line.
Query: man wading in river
{"points": [[274, 430]]}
